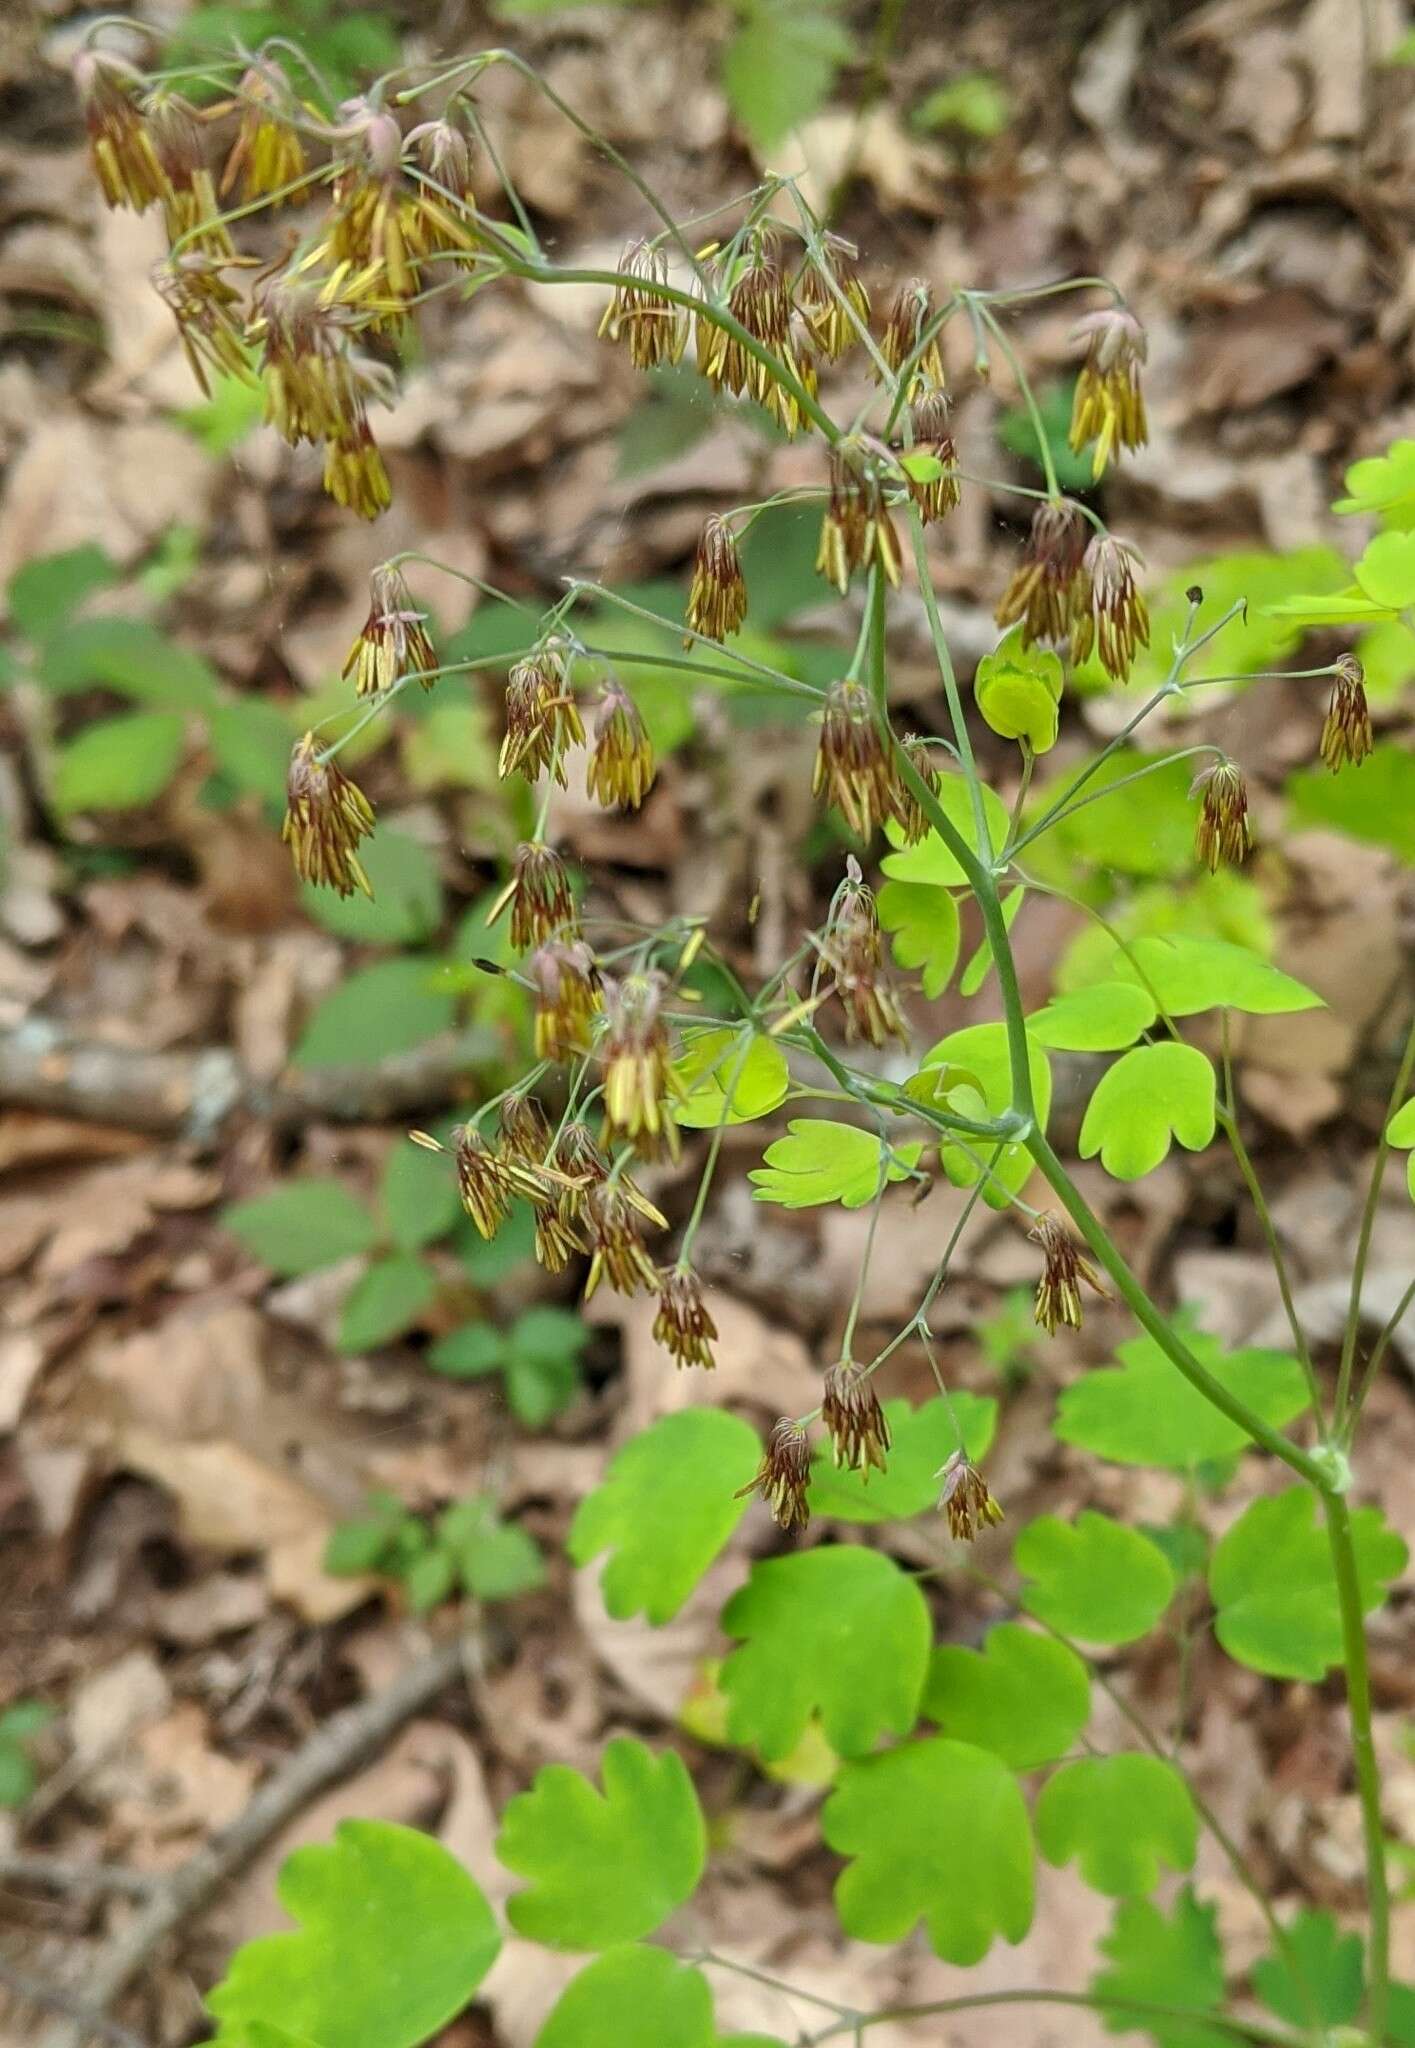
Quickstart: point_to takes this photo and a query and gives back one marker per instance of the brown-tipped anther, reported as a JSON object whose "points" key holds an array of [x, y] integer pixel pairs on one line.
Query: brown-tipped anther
{"points": [[652, 327], [832, 329], [905, 326], [612, 1223], [1050, 590], [853, 951], [683, 1326], [267, 154], [539, 896], [857, 528], [908, 811], [525, 1129], [717, 595], [783, 1478], [1223, 832], [853, 767], [125, 159], [326, 815], [620, 769], [965, 1498], [578, 1156], [935, 496], [542, 718], [1109, 406], [394, 641], [640, 1085], [207, 311], [1116, 621], [853, 1418], [761, 303], [566, 985], [1346, 732], [446, 192], [489, 1180], [190, 209], [1065, 1267]]}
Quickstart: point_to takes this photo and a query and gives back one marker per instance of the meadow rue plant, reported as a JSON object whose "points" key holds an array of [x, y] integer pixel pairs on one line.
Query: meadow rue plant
{"points": [[643, 1037]]}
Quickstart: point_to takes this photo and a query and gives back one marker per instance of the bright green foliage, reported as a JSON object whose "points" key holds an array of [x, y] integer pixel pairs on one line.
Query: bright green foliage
{"points": [[1144, 829], [981, 1051], [924, 928], [780, 66], [386, 1300], [632, 1997], [822, 1161], [1383, 485], [418, 1196], [1018, 690], [840, 1631], [451, 747], [1385, 572], [712, 1061], [1270, 1578], [118, 764], [1225, 906], [1105, 1017], [1258, 637], [407, 894], [19, 1725], [1142, 1412], [604, 1868], [922, 1439], [394, 1937], [938, 1831], [665, 1509], [1400, 1132], [1120, 1817], [1375, 805], [537, 1357], [1093, 1578], [930, 860], [469, 1549], [130, 658], [494, 1560], [1188, 974], [43, 593], [975, 104], [1152, 1094], [1023, 1696], [299, 1227], [250, 748], [1160, 1959], [385, 1009], [1317, 1964]]}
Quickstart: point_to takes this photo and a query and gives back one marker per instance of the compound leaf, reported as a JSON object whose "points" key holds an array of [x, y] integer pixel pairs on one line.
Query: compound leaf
{"points": [[394, 1937], [302, 1226], [841, 1631], [1383, 484], [1159, 1960], [1121, 1817], [605, 1868], [1187, 975], [632, 1997], [1270, 1579], [822, 1161], [1142, 1412], [938, 1831], [1023, 1696], [1150, 1095], [665, 1509], [1093, 1577], [1317, 1964], [921, 1440]]}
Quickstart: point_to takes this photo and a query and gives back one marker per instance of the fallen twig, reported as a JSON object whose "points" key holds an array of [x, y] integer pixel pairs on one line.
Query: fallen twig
{"points": [[54, 1874], [329, 1754], [33, 1990], [195, 1094]]}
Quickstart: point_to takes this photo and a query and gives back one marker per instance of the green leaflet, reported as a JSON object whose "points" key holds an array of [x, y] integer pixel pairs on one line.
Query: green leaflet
{"points": [[1023, 1696], [1120, 1817], [1093, 1578], [1270, 1578]]}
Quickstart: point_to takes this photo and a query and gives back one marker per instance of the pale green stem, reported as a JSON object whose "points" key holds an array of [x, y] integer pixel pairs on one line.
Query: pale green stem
{"points": [[1363, 1241], [1085, 2001], [1024, 385], [1363, 1751], [1379, 1348], [690, 1229]]}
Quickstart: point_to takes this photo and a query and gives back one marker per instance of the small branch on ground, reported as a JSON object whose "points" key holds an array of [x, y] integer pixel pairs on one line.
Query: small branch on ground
{"points": [[53, 1874], [329, 1755], [31, 1990]]}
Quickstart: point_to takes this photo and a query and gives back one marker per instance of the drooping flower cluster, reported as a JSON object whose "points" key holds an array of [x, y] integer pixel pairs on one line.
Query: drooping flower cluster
{"points": [[542, 718], [683, 1325], [1346, 731], [935, 496], [1223, 832], [640, 1083], [853, 767], [965, 1498], [1049, 593], [1109, 406], [852, 951], [857, 531], [621, 764], [1115, 619], [783, 1478], [853, 1418], [538, 896], [910, 338], [393, 641], [326, 815], [717, 595], [1065, 1268]]}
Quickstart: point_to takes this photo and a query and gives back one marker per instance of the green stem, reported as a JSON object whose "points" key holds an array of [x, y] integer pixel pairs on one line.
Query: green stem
{"points": [[1378, 1350], [1363, 1241], [1086, 2001], [1024, 385], [1363, 1750], [690, 1229]]}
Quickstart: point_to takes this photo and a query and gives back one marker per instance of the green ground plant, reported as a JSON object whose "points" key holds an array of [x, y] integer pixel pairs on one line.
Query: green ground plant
{"points": [[950, 1770]]}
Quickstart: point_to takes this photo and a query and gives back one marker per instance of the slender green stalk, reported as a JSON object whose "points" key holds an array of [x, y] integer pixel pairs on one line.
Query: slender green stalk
{"points": [[1363, 1751], [690, 1229], [1363, 1242], [1024, 385], [1085, 2001], [1378, 1350]]}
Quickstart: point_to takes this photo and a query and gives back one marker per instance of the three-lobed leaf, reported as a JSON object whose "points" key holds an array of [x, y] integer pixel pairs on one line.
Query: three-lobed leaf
{"points": [[1186, 973], [936, 1830], [822, 1161], [1120, 1817], [632, 1997], [1317, 1967], [1142, 1412], [1093, 1578], [1024, 1696], [753, 1068], [924, 927], [1270, 1579], [1152, 1095], [394, 1937], [1107, 1016], [604, 1867], [665, 1509], [838, 1631], [1159, 1959]]}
